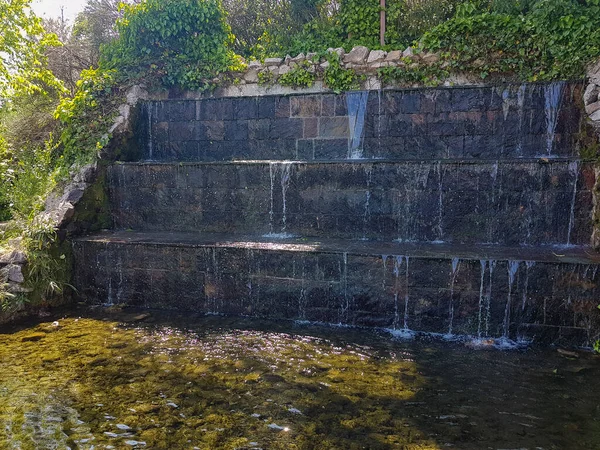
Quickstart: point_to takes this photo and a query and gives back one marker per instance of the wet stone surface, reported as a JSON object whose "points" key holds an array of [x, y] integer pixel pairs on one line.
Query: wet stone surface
{"points": [[101, 379]]}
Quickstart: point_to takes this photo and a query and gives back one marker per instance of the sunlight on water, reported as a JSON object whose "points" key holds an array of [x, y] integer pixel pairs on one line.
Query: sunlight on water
{"points": [[130, 380]]}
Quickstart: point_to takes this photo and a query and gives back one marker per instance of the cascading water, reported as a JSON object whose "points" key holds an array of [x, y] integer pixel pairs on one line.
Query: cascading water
{"points": [[553, 93], [455, 267], [367, 213], [574, 172], [513, 267], [481, 288], [406, 297], [488, 299], [357, 108], [520, 106], [528, 266], [284, 170], [440, 219]]}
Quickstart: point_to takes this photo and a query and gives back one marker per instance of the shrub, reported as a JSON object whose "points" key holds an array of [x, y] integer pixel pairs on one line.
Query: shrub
{"points": [[181, 43]]}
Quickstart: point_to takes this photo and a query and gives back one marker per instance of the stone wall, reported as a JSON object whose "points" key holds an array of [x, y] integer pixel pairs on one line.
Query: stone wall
{"points": [[12, 266], [509, 203], [514, 121]]}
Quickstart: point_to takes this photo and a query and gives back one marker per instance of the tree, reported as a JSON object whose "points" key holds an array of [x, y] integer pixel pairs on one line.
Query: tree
{"points": [[23, 43]]}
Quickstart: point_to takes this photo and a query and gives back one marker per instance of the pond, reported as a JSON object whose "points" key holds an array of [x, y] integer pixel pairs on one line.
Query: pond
{"points": [[102, 379]]}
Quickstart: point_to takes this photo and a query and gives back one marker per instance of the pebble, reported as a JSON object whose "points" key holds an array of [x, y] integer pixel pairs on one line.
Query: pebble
{"points": [[111, 435], [295, 411], [123, 427], [173, 405], [134, 443]]}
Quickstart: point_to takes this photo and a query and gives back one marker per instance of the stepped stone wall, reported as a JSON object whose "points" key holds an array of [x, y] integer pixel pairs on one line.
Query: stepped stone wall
{"points": [[451, 210]]}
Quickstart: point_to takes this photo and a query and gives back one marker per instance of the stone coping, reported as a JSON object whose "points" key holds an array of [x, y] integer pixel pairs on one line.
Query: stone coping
{"points": [[479, 252]]}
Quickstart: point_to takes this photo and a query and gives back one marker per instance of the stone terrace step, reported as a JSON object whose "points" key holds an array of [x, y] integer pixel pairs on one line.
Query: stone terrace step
{"points": [[539, 293], [517, 202], [510, 121]]}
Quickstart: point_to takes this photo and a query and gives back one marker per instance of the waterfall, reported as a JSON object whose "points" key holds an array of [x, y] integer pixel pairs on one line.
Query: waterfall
{"points": [[406, 296], [513, 267], [481, 287], [506, 102], [440, 228], [528, 266], [520, 105], [284, 170], [488, 299], [367, 213], [574, 172], [553, 93], [397, 263], [455, 267], [357, 108], [149, 108], [345, 306]]}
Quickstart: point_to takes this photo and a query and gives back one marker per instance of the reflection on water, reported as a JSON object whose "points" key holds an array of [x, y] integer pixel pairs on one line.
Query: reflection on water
{"points": [[102, 380]]}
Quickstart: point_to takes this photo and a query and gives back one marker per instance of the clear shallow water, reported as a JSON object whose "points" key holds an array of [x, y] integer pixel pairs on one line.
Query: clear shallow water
{"points": [[100, 380]]}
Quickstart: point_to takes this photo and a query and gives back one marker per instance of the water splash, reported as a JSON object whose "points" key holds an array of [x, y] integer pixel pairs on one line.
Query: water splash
{"points": [[488, 298], [553, 93], [455, 267], [357, 108], [406, 297], [574, 172], [397, 264], [513, 267]]}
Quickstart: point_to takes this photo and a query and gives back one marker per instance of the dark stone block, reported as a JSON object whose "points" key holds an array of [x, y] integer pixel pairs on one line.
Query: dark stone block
{"points": [[334, 127], [311, 128], [266, 107], [245, 108], [236, 130], [287, 129], [327, 105], [306, 106], [326, 149], [283, 107]]}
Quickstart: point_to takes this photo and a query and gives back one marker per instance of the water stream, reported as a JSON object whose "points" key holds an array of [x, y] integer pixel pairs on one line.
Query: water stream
{"points": [[110, 379], [357, 109]]}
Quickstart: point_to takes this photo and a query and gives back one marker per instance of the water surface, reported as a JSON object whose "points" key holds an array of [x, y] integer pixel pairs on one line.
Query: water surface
{"points": [[110, 379]]}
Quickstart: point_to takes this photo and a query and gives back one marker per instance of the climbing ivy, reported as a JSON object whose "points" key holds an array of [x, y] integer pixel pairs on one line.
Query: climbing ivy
{"points": [[337, 78], [299, 76]]}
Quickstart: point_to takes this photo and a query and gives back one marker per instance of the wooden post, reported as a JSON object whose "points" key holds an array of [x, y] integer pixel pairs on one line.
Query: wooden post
{"points": [[382, 23]]}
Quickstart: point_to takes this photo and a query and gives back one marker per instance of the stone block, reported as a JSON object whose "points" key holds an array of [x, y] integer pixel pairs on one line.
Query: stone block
{"points": [[376, 56], [394, 56], [273, 62], [358, 55], [591, 108], [591, 94]]}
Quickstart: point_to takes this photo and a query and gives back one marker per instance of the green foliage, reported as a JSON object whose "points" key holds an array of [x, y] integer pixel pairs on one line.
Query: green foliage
{"points": [[22, 46], [261, 24], [87, 116], [266, 77], [299, 76], [337, 78], [182, 43], [429, 75], [556, 39]]}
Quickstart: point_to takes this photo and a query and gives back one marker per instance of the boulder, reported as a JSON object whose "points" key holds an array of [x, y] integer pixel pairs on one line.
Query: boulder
{"points": [[298, 59], [15, 274], [325, 65], [251, 76], [408, 53], [394, 56], [357, 55], [594, 73], [284, 69], [595, 116], [591, 94], [430, 58], [376, 56], [255, 65], [592, 108], [273, 62]]}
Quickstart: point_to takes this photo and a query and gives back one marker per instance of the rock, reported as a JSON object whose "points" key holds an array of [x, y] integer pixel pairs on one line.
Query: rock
{"points": [[376, 56], [340, 51], [254, 65], [591, 94], [430, 58], [325, 65], [479, 62], [273, 62], [74, 195], [595, 116], [251, 76], [136, 93], [284, 69], [594, 73], [373, 83], [14, 257], [408, 53], [298, 59], [393, 56], [357, 55], [87, 174], [592, 108], [287, 60], [15, 274], [311, 56], [379, 65]]}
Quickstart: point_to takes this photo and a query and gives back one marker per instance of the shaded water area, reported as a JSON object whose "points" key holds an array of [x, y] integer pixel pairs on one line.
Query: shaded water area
{"points": [[111, 379]]}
